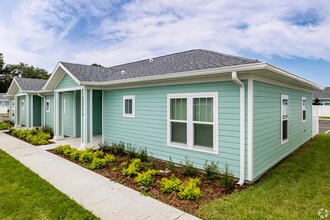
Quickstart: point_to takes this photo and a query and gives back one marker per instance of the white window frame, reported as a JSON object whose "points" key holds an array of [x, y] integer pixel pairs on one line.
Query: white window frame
{"points": [[303, 108], [287, 119], [22, 104], [47, 109], [129, 97], [63, 107], [190, 128]]}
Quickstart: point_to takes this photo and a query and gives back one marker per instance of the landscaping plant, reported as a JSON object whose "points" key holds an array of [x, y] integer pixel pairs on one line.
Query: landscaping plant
{"points": [[171, 184], [146, 178], [133, 168], [212, 170], [190, 190]]}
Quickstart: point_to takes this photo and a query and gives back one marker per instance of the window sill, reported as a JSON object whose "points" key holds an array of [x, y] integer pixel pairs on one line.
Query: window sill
{"points": [[129, 116], [194, 148], [284, 142]]}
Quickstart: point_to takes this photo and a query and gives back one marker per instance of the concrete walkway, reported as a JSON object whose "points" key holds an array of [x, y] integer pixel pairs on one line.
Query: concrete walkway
{"points": [[105, 198]]}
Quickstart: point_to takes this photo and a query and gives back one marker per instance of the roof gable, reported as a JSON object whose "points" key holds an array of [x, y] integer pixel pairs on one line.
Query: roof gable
{"points": [[66, 82]]}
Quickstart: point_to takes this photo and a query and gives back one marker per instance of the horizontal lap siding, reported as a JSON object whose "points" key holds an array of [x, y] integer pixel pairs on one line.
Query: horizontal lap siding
{"points": [[267, 124], [149, 127], [50, 115], [37, 110], [66, 82], [68, 115]]}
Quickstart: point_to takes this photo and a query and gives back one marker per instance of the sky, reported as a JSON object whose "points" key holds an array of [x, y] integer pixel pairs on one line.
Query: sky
{"points": [[290, 34]]}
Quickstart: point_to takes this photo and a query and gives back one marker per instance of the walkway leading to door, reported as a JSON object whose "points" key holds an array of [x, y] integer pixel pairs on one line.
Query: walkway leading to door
{"points": [[105, 198]]}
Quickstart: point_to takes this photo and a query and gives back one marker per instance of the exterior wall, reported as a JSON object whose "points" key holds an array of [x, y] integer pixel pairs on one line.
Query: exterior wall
{"points": [[78, 113], [149, 126], [4, 103], [68, 115], [97, 112], [66, 82], [36, 110], [267, 148], [22, 112], [51, 114]]}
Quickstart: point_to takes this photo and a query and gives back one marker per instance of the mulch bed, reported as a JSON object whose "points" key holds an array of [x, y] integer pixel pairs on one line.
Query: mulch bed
{"points": [[210, 190]]}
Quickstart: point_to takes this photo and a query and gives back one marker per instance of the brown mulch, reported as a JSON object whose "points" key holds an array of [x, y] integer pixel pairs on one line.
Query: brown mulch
{"points": [[210, 190]]}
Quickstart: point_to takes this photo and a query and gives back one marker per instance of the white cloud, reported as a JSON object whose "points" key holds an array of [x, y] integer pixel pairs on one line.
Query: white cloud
{"points": [[44, 32]]}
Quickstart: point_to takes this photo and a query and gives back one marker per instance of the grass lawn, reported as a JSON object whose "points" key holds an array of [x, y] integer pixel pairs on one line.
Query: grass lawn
{"points": [[24, 195], [324, 117], [295, 189]]}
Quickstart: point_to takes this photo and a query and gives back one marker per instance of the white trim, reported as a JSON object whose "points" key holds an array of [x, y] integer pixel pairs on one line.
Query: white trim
{"points": [[102, 116], [31, 111], [287, 119], [63, 104], [129, 97], [47, 101], [69, 89], [190, 139], [250, 130], [85, 116], [303, 108], [91, 116], [74, 132]]}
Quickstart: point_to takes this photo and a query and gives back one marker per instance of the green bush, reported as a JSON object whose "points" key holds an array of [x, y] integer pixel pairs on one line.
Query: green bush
{"points": [[10, 122], [99, 153], [86, 156], [5, 126], [190, 190], [33, 136], [104, 145], [212, 170], [170, 185], [131, 151], [188, 168], [75, 154], [97, 163], [146, 178], [133, 168], [143, 155], [61, 148], [118, 149], [110, 158], [48, 130], [170, 165], [227, 178]]}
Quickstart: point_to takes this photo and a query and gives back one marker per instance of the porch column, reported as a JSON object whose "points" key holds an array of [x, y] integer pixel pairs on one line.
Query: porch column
{"points": [[86, 124], [58, 118]]}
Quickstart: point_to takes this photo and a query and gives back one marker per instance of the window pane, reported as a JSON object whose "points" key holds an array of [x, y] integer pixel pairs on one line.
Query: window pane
{"points": [[285, 130], [179, 132], [128, 106], [203, 109], [178, 109], [304, 114], [203, 135], [284, 108]]}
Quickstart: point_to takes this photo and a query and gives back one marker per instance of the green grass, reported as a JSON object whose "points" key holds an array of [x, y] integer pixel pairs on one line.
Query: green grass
{"points": [[324, 117], [24, 195], [295, 189]]}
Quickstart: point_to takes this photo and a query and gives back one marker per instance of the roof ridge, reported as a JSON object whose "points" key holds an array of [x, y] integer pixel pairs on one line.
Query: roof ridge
{"points": [[228, 55]]}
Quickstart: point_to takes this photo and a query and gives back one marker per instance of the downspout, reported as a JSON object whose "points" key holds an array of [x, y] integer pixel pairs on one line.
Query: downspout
{"points": [[44, 108], [242, 127]]}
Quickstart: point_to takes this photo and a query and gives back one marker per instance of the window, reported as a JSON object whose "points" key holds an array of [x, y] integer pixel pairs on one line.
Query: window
{"points": [[129, 106], [303, 108], [284, 118], [22, 105], [63, 107], [47, 106], [192, 121]]}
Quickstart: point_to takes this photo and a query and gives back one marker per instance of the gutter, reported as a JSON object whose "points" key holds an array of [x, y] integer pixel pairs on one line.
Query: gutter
{"points": [[242, 127], [44, 107]]}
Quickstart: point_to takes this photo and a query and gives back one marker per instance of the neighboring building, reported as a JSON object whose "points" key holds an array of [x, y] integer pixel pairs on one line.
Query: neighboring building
{"points": [[4, 104], [323, 96], [26, 108], [199, 104]]}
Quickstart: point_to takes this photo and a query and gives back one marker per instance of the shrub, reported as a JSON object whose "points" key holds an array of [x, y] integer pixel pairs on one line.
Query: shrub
{"points": [[188, 168], [32, 136], [170, 165], [133, 168], [61, 148], [170, 185], [48, 130], [143, 155], [118, 149], [86, 156], [190, 190], [146, 178], [110, 158], [212, 171], [104, 145], [97, 163], [98, 153], [227, 178], [10, 122], [4, 126], [75, 154], [131, 151]]}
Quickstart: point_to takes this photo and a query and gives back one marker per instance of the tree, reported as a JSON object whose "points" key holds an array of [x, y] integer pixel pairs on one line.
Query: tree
{"points": [[316, 102], [9, 71], [95, 64]]}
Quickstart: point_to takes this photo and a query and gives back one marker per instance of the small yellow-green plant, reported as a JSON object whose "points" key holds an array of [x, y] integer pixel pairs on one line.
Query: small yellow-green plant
{"points": [[133, 168], [190, 190], [146, 178], [61, 148], [33, 136], [171, 184]]}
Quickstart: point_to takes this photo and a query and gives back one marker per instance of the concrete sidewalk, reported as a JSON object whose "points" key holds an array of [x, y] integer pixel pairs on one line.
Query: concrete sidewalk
{"points": [[105, 198]]}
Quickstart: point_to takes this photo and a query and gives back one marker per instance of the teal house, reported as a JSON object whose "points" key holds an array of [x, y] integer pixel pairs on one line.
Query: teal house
{"points": [[197, 104]]}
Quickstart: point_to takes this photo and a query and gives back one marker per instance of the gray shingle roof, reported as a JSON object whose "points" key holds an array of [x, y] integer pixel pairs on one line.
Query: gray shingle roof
{"points": [[322, 94], [173, 63], [2, 96], [28, 84]]}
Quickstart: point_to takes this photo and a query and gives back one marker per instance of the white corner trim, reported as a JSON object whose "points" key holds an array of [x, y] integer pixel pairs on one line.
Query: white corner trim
{"points": [[250, 129]]}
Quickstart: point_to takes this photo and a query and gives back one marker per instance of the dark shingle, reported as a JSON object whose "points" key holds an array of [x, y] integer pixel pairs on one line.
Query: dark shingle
{"points": [[322, 94], [2, 96], [173, 63], [27, 84]]}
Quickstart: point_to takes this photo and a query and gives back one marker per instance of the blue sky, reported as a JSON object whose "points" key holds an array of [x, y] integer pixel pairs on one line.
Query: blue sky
{"points": [[291, 34]]}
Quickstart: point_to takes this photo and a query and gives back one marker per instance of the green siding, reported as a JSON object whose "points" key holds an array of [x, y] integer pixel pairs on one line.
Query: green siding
{"points": [[36, 111], [87, 111], [66, 82], [149, 127], [78, 113], [68, 115], [51, 113], [97, 112], [267, 124]]}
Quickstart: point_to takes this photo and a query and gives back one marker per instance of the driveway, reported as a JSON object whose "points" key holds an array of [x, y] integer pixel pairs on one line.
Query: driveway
{"points": [[324, 126]]}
